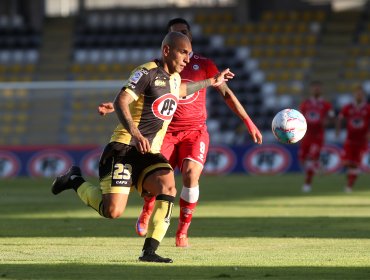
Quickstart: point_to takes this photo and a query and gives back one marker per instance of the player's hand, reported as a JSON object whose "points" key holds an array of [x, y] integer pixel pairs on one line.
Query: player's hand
{"points": [[253, 131], [142, 144], [221, 77], [105, 108]]}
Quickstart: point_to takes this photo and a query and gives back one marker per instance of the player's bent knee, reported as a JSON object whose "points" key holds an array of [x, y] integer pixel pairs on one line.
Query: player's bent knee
{"points": [[166, 188], [169, 190], [160, 182]]}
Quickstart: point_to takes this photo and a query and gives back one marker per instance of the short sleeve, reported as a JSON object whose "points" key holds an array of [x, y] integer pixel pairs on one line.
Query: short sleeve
{"points": [[137, 82]]}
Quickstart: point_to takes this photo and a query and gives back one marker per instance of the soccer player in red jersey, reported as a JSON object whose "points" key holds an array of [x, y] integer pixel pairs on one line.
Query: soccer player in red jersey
{"points": [[316, 110], [186, 142], [357, 117]]}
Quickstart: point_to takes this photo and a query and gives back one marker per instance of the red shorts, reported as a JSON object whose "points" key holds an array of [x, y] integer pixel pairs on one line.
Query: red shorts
{"points": [[310, 149], [187, 144], [353, 152]]}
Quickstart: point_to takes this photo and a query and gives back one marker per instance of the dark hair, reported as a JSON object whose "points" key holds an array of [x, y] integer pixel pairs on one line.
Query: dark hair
{"points": [[176, 21]]}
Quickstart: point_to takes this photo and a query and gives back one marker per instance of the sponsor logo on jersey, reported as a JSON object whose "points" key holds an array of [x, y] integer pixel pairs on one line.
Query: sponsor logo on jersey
{"points": [[159, 83], [135, 77], [120, 182], [196, 67], [165, 106]]}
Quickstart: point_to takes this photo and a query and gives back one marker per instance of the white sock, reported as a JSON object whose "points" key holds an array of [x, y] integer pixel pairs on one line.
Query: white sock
{"points": [[190, 195]]}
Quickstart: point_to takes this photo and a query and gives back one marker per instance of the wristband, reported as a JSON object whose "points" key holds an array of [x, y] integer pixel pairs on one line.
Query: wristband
{"points": [[249, 124]]}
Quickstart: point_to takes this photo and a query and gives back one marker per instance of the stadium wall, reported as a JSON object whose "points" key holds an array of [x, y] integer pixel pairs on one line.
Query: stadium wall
{"points": [[267, 159]]}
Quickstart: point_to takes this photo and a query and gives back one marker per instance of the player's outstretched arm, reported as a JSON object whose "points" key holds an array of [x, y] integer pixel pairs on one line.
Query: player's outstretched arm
{"points": [[234, 104], [217, 80]]}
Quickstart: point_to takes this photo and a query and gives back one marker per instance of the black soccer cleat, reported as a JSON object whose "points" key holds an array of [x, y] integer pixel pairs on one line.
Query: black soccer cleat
{"points": [[65, 181], [149, 256]]}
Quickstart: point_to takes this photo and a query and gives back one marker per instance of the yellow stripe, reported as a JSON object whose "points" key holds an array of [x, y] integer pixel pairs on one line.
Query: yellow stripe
{"points": [[133, 94], [123, 190], [158, 139], [146, 171]]}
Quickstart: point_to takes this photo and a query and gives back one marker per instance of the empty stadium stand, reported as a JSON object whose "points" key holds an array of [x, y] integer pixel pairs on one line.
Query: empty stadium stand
{"points": [[19, 49], [275, 55]]}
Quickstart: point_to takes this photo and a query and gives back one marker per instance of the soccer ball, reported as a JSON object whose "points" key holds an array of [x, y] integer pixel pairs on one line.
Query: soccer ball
{"points": [[289, 126]]}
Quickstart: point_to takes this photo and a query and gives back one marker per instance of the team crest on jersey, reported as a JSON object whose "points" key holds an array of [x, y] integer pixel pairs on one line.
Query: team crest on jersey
{"points": [[357, 123], [195, 67], [165, 106], [313, 116]]}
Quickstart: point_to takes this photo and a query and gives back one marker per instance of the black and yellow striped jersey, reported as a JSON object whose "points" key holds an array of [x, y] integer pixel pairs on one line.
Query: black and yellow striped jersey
{"points": [[156, 96]]}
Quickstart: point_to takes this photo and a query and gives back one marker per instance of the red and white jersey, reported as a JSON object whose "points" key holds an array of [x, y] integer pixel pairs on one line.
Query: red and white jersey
{"points": [[191, 113], [358, 120], [315, 110]]}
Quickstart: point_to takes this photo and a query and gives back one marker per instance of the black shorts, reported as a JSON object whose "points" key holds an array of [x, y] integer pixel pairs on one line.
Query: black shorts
{"points": [[122, 166]]}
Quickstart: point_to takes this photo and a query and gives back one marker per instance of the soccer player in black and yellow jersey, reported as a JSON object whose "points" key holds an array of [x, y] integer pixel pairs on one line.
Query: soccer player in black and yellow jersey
{"points": [[144, 107]]}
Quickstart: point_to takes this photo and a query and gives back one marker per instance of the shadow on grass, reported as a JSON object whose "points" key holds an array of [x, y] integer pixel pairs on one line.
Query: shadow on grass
{"points": [[174, 271], [312, 227]]}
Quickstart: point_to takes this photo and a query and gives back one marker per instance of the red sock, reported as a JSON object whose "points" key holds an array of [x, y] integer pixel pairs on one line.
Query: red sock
{"points": [[309, 176], [351, 178], [186, 214]]}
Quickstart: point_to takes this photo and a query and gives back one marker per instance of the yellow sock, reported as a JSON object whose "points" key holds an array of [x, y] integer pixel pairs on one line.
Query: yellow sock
{"points": [[160, 219], [91, 196]]}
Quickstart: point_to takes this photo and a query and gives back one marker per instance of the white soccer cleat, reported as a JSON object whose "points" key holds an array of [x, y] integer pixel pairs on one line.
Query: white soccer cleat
{"points": [[306, 188], [348, 189]]}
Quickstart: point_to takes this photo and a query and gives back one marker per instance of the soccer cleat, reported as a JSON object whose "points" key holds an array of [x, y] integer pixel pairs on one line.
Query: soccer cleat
{"points": [[182, 240], [347, 189], [64, 182], [306, 188], [142, 222], [150, 256]]}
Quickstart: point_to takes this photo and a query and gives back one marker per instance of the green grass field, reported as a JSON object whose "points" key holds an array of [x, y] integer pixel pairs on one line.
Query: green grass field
{"points": [[245, 227]]}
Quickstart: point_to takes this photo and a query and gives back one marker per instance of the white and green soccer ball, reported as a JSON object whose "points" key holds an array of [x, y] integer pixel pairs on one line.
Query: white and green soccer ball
{"points": [[289, 126]]}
